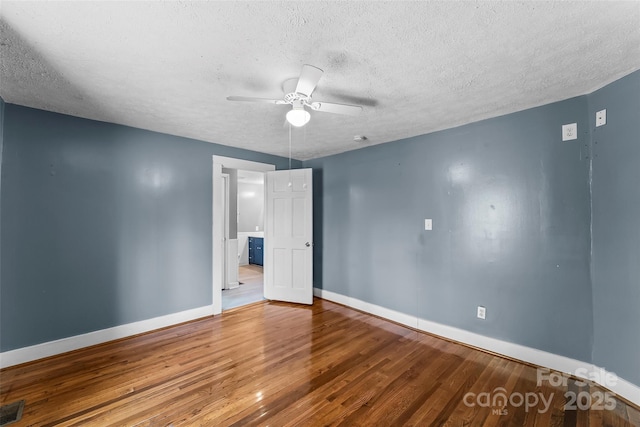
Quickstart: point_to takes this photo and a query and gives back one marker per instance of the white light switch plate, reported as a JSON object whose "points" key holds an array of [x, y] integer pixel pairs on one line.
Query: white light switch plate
{"points": [[428, 224], [570, 132], [601, 118]]}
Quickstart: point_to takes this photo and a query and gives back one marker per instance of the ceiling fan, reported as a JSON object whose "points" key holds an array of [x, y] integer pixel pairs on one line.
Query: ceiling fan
{"points": [[300, 97]]}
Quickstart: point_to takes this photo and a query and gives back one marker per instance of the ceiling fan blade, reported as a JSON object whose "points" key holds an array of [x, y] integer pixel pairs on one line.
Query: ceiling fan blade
{"points": [[330, 107], [309, 77], [252, 99]]}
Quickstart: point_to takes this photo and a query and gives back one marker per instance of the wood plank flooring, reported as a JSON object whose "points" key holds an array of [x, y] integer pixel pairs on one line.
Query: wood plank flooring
{"points": [[280, 364]]}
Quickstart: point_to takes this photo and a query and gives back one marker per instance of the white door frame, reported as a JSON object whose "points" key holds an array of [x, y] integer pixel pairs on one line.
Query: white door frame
{"points": [[225, 228], [218, 245]]}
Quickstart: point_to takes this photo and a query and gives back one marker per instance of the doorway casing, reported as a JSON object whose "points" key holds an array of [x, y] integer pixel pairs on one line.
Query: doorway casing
{"points": [[218, 264]]}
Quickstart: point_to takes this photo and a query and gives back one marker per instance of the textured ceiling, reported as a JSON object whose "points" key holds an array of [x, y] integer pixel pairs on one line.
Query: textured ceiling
{"points": [[416, 67]]}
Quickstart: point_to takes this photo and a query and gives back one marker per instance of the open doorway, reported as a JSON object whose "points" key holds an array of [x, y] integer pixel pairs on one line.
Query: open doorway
{"points": [[246, 214], [221, 269], [288, 232]]}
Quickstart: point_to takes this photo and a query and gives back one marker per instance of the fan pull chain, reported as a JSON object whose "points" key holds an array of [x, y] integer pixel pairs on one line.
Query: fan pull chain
{"points": [[290, 155], [289, 146]]}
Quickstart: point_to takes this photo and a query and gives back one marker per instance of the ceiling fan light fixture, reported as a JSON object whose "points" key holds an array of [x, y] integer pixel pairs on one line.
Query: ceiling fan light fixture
{"points": [[298, 117]]}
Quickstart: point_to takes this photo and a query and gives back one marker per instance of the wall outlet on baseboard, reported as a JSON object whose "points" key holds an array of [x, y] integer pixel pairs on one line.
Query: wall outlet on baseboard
{"points": [[482, 312]]}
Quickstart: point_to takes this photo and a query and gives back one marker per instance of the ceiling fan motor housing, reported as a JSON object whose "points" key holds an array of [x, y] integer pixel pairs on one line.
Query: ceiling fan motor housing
{"points": [[292, 97]]}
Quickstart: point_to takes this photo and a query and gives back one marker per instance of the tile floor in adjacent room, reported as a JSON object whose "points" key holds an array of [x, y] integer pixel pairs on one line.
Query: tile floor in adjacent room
{"points": [[249, 291]]}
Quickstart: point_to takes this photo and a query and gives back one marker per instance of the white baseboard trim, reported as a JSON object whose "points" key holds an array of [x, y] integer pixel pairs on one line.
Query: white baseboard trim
{"points": [[51, 348], [620, 387]]}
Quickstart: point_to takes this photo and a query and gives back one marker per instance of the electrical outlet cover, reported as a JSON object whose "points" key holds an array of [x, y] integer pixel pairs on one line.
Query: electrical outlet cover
{"points": [[482, 312], [601, 118], [570, 132]]}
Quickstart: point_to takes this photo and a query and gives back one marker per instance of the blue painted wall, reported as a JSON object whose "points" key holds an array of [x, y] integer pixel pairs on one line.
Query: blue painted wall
{"points": [[616, 227], [1, 127], [1, 149], [101, 225], [512, 213], [510, 205]]}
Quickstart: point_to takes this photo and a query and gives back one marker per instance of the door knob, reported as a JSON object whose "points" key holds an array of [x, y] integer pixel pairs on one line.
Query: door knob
{"points": [[307, 244]]}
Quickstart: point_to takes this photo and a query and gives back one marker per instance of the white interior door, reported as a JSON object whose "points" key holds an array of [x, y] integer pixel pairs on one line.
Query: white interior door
{"points": [[288, 236]]}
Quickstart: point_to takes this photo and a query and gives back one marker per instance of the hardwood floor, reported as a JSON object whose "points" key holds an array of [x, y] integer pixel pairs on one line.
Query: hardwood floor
{"points": [[250, 290], [280, 364]]}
